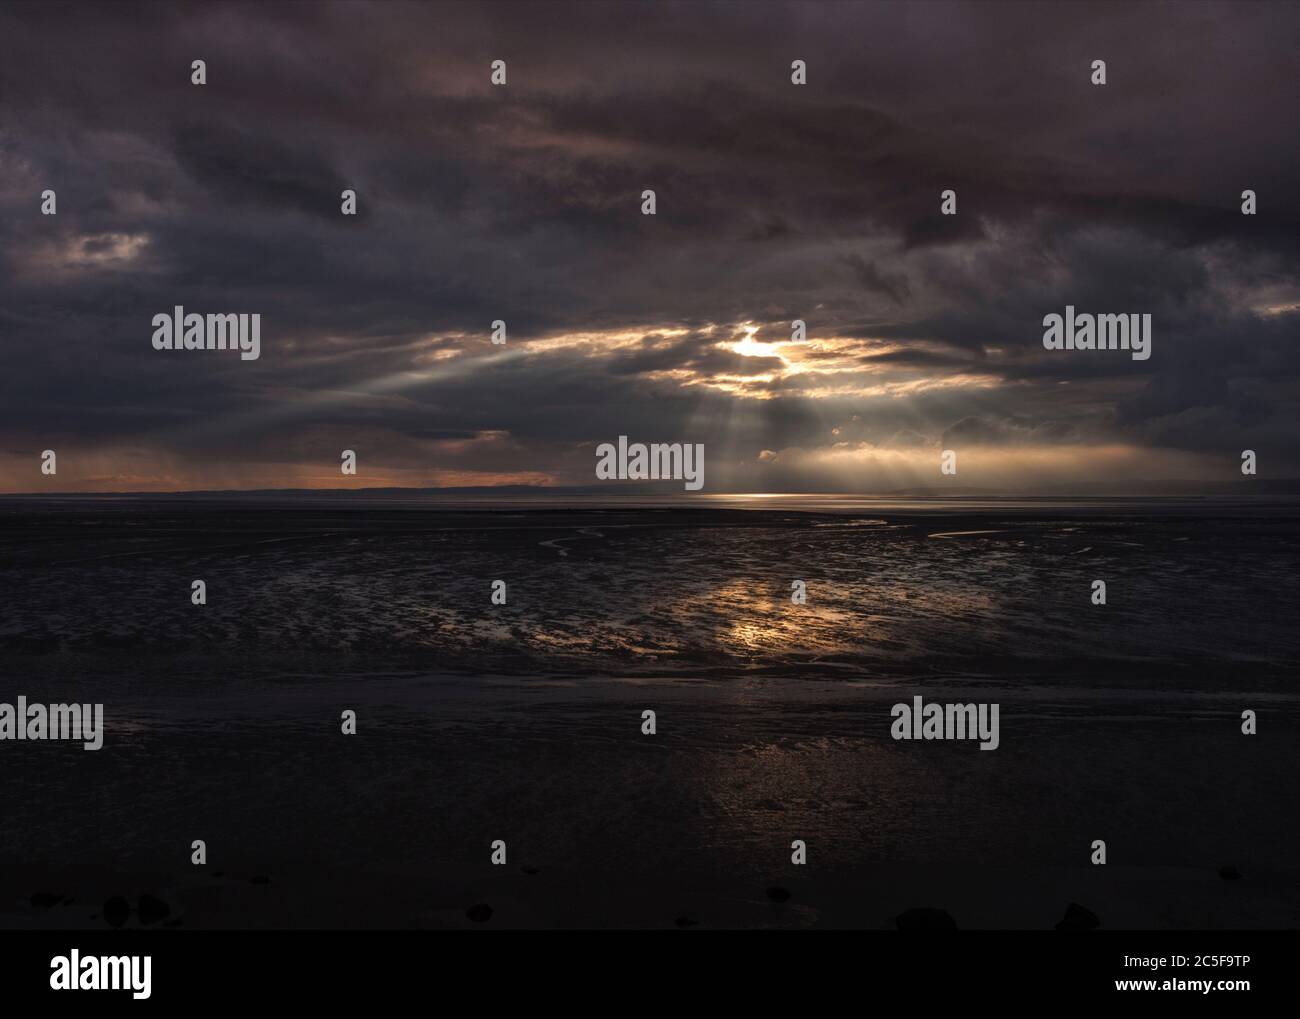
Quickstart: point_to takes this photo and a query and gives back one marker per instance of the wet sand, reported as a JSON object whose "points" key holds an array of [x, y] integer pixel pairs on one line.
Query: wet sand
{"points": [[773, 723]]}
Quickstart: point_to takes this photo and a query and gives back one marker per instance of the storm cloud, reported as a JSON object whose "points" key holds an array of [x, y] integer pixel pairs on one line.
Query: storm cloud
{"points": [[775, 202]]}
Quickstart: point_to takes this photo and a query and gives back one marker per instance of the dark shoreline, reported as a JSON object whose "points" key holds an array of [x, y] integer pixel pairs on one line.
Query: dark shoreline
{"points": [[522, 721]]}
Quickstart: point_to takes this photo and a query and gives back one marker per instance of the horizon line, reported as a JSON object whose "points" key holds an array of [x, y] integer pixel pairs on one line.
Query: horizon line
{"points": [[1178, 487]]}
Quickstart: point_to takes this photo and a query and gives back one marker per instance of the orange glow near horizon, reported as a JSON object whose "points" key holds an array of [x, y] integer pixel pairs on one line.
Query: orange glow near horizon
{"points": [[712, 357]]}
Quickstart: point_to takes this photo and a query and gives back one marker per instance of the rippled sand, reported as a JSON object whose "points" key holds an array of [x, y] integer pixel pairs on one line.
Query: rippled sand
{"points": [[605, 593]]}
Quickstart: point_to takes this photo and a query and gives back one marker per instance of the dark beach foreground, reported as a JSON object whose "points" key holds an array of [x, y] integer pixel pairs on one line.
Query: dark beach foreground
{"points": [[522, 722]]}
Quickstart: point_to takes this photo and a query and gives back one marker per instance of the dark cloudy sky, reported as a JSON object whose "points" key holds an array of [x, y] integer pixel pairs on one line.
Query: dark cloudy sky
{"points": [[522, 203]]}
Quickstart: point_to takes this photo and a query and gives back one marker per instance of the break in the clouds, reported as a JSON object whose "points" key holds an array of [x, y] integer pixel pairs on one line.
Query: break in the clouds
{"points": [[522, 202]]}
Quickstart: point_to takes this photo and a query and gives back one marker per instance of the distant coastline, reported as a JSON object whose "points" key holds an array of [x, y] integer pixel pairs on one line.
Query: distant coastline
{"points": [[1252, 495]]}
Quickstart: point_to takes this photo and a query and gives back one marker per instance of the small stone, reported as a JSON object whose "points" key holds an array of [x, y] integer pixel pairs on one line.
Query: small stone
{"points": [[686, 921], [1078, 918], [530, 870], [778, 894], [151, 909], [44, 900], [1229, 873], [480, 913], [260, 879], [925, 919]]}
